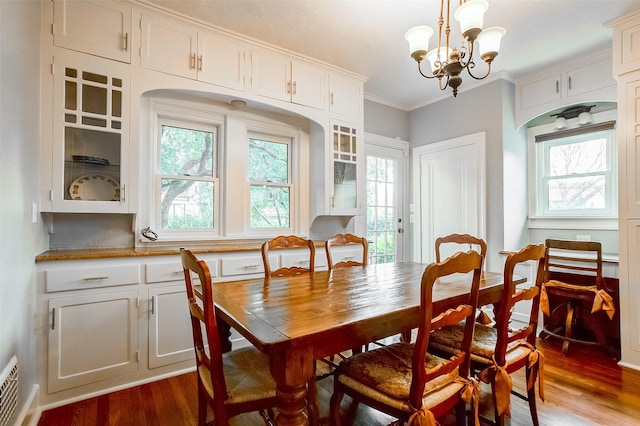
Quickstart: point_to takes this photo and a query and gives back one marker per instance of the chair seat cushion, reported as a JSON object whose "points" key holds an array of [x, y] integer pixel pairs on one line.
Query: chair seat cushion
{"points": [[385, 374], [247, 376], [449, 338]]}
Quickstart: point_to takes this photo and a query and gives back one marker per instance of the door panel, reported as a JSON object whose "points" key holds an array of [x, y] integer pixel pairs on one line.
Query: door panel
{"points": [[449, 180]]}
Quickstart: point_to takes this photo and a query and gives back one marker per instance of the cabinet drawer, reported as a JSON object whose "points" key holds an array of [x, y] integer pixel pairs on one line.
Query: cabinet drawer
{"points": [[244, 265], [93, 277], [157, 272]]}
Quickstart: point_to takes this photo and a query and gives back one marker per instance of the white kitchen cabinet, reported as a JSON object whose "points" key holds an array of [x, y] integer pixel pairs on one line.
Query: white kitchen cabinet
{"points": [[345, 95], [92, 337], [629, 129], [337, 170], [90, 138], [96, 27], [346, 165], [281, 77], [170, 336], [589, 80], [626, 63], [177, 48]]}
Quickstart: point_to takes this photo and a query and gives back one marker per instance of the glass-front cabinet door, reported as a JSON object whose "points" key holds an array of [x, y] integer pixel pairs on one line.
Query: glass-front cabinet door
{"points": [[90, 145], [345, 159]]}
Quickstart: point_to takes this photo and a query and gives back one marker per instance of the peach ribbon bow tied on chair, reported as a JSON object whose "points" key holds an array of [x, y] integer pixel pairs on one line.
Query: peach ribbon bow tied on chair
{"points": [[470, 393], [602, 300], [503, 384]]}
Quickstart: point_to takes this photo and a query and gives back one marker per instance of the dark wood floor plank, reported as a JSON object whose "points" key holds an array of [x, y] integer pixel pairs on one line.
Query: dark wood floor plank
{"points": [[583, 389]]}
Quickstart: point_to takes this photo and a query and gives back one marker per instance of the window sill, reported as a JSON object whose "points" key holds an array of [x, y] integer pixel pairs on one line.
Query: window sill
{"points": [[607, 224]]}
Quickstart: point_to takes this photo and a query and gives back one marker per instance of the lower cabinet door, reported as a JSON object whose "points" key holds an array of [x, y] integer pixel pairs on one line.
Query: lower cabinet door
{"points": [[92, 337], [170, 335]]}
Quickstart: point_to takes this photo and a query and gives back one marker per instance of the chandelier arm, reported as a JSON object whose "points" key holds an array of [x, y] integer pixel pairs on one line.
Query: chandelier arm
{"points": [[478, 78], [446, 83], [425, 75]]}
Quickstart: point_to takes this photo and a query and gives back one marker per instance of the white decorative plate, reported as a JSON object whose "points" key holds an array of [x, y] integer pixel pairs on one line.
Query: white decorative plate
{"points": [[95, 188]]}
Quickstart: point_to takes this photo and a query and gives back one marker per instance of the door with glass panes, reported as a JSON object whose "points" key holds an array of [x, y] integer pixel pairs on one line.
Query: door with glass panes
{"points": [[385, 213]]}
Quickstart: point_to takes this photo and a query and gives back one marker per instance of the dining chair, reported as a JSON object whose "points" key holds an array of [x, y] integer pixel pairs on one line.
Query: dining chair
{"points": [[502, 349], [345, 240], [466, 240], [287, 242], [230, 383], [406, 381], [463, 242], [575, 287]]}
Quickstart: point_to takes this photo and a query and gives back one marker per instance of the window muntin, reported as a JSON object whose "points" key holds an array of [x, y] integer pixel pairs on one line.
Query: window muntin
{"points": [[186, 178], [576, 176], [270, 186]]}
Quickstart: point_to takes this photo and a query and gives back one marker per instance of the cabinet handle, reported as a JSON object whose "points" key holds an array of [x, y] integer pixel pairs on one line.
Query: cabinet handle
{"points": [[125, 39], [104, 277], [251, 266], [53, 319], [289, 87], [153, 305], [331, 98], [193, 60], [569, 82], [557, 86], [294, 87], [123, 193], [200, 63]]}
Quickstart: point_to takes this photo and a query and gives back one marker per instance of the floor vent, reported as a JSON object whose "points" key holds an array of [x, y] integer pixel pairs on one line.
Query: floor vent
{"points": [[8, 391]]}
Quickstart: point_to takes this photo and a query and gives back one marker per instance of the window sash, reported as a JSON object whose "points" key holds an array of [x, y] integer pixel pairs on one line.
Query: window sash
{"points": [[544, 178]]}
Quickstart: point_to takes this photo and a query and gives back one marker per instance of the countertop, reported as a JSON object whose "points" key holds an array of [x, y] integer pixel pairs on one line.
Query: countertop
{"points": [[226, 246]]}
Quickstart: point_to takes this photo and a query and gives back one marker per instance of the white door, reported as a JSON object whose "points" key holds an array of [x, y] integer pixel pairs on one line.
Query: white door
{"points": [[386, 186], [449, 185]]}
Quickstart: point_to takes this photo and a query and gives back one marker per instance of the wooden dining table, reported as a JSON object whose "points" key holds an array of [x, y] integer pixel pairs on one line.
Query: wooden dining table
{"points": [[297, 320]]}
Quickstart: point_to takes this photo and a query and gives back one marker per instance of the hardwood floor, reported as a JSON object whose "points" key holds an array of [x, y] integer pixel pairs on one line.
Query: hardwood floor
{"points": [[582, 389]]}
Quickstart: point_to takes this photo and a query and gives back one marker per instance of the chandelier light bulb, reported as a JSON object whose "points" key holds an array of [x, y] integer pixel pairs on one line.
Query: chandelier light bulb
{"points": [[470, 15], [489, 41], [418, 38]]}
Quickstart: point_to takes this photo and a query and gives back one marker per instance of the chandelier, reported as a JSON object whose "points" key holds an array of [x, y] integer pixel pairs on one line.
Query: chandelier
{"points": [[447, 63]]}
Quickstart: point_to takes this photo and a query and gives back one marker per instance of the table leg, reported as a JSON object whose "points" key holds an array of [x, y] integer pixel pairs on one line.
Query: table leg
{"points": [[224, 333], [292, 370]]}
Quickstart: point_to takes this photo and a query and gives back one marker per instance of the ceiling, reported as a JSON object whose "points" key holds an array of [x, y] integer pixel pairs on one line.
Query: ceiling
{"points": [[367, 36]]}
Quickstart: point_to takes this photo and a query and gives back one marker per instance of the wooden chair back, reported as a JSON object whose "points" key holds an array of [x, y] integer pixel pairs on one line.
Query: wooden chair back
{"points": [[511, 296], [343, 240], [287, 242], [574, 262], [461, 239], [203, 317], [465, 263]]}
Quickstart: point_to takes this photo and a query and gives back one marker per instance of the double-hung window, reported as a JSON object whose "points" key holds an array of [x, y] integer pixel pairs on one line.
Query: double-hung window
{"points": [[270, 182], [576, 173], [186, 179]]}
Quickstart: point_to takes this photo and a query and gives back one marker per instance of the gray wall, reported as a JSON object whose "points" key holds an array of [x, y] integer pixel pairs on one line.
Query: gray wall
{"points": [[386, 121], [20, 240], [488, 108]]}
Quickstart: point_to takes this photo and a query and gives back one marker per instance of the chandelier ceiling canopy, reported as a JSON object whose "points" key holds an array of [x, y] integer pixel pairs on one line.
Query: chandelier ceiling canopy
{"points": [[448, 62]]}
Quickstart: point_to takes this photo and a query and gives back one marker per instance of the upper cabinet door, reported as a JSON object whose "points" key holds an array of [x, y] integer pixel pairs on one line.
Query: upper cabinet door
{"points": [[101, 28], [345, 95], [589, 78], [168, 46], [90, 140], [271, 75], [220, 61], [308, 85], [541, 92]]}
